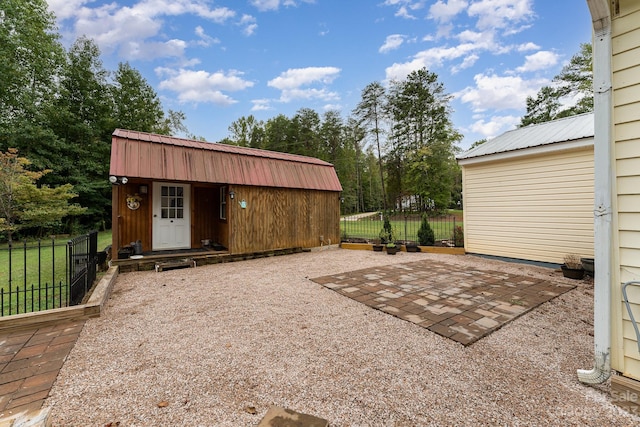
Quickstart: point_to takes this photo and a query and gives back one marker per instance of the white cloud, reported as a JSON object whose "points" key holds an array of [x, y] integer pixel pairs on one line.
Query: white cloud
{"points": [[128, 29], [500, 13], [405, 6], [289, 95], [205, 39], [296, 77], [266, 5], [64, 9], [445, 11], [538, 61], [332, 107], [497, 125], [472, 36], [499, 92], [467, 62], [263, 5], [528, 46], [402, 12], [249, 24], [261, 105], [144, 51], [291, 83], [202, 86], [429, 58], [394, 41]]}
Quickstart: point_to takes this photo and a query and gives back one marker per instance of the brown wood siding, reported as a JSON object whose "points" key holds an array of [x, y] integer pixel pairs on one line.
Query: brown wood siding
{"points": [[276, 218], [129, 225], [205, 216]]}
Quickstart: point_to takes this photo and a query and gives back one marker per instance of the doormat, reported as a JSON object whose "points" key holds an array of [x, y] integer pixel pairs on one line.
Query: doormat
{"points": [[457, 302]]}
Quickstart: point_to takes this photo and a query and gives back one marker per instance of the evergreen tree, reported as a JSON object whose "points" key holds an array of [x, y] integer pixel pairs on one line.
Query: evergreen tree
{"points": [[371, 113], [136, 103], [570, 93], [423, 143], [426, 236]]}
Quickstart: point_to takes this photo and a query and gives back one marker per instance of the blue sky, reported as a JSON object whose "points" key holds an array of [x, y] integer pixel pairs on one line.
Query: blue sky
{"points": [[220, 60]]}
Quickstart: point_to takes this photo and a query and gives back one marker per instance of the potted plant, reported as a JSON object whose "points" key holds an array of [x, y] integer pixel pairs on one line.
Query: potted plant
{"points": [[425, 233], [411, 247], [392, 248], [388, 237], [377, 246], [572, 267]]}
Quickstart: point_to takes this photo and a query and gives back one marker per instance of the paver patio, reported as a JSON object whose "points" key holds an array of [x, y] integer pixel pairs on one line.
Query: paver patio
{"points": [[30, 360], [461, 303]]}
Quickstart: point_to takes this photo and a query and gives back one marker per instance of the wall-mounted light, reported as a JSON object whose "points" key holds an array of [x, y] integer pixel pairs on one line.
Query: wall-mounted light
{"points": [[118, 180], [232, 194], [144, 189]]}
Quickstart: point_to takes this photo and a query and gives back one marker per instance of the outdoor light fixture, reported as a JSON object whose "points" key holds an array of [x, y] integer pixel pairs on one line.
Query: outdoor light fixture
{"points": [[232, 194], [117, 181]]}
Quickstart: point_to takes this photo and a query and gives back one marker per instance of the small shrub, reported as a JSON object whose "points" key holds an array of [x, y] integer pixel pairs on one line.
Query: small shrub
{"points": [[458, 236], [425, 233], [572, 261], [386, 234]]}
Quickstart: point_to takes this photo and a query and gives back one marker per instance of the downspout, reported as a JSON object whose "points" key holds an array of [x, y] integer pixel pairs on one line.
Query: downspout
{"points": [[603, 167]]}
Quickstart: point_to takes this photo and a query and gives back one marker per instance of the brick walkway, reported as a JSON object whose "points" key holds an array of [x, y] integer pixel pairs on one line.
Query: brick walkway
{"points": [[29, 364], [460, 303]]}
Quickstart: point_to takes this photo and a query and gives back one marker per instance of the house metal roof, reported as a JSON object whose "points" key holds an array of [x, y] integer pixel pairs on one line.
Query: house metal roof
{"points": [[160, 157], [566, 129]]}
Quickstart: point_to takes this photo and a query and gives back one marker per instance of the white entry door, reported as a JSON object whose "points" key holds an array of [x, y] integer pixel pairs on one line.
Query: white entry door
{"points": [[171, 216]]}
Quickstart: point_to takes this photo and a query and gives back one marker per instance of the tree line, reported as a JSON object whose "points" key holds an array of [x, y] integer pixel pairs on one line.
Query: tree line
{"points": [[396, 151], [58, 108]]}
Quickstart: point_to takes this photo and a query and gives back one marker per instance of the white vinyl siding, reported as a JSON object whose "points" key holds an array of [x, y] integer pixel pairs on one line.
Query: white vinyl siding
{"points": [[626, 117], [536, 207]]}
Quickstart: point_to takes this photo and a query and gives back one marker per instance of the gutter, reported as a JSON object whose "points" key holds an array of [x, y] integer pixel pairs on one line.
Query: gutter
{"points": [[603, 211]]}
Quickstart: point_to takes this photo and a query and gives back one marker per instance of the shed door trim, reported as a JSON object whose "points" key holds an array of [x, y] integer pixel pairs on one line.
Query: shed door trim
{"points": [[171, 226]]}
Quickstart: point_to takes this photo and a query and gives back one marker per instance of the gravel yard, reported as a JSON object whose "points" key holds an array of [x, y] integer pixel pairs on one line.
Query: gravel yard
{"points": [[203, 346]]}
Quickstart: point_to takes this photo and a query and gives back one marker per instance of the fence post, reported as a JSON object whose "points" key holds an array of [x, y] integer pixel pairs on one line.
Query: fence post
{"points": [[10, 265], [70, 272], [405, 227], [454, 231], [24, 266]]}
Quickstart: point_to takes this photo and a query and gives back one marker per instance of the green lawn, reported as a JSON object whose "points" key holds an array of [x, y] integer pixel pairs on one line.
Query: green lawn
{"points": [[35, 266]]}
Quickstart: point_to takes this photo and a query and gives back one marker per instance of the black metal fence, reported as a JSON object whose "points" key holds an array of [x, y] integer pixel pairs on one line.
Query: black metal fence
{"points": [[46, 274], [83, 261], [447, 229]]}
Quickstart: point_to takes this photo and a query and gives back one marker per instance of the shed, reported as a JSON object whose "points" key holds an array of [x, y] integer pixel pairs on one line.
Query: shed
{"points": [[176, 194], [528, 193]]}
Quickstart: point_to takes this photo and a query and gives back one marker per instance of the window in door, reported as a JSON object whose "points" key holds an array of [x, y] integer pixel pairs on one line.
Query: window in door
{"points": [[172, 202]]}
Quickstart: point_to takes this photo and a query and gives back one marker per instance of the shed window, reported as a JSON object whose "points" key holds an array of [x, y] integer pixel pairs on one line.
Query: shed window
{"points": [[223, 202]]}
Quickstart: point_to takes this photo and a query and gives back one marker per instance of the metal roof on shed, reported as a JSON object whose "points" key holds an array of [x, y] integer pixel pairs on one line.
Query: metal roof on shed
{"points": [[160, 157], [566, 129]]}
